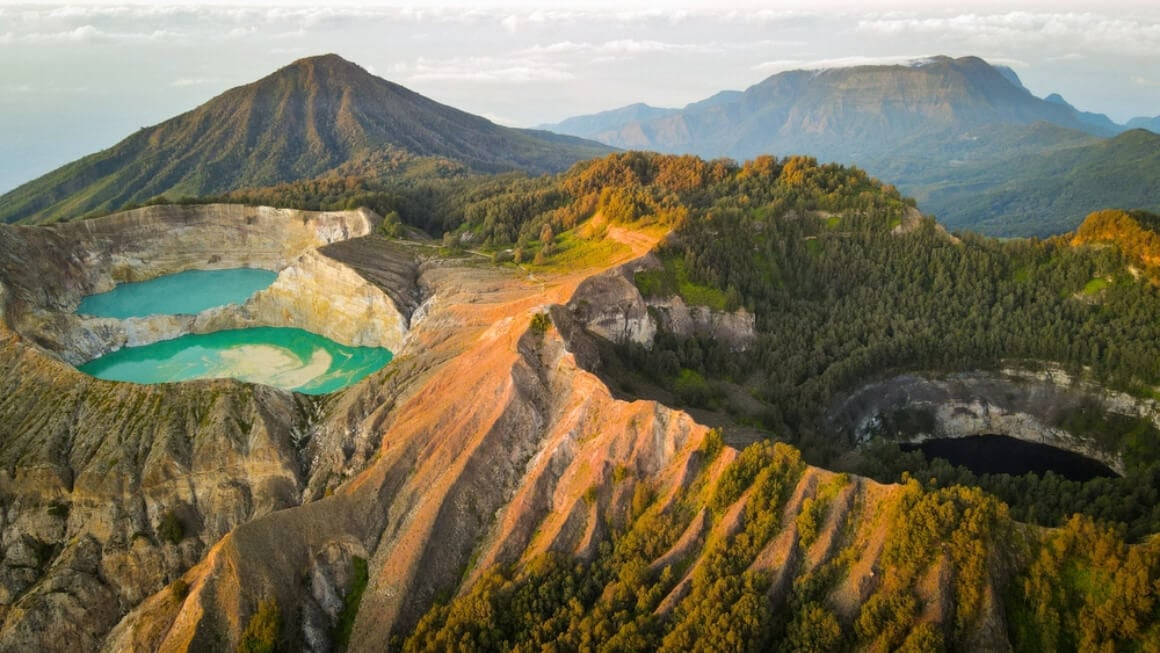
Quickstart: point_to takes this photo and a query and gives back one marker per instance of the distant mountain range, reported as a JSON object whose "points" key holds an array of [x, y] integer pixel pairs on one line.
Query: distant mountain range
{"points": [[314, 116], [939, 128]]}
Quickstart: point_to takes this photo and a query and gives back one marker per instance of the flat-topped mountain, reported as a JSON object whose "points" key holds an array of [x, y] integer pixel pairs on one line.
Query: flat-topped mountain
{"points": [[934, 128], [301, 121], [842, 113]]}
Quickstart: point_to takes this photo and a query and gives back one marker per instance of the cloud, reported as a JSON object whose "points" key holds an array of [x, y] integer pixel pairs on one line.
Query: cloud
{"points": [[634, 46], [1143, 81], [508, 70], [779, 65], [500, 120], [621, 47], [90, 34], [195, 81], [11, 90], [1022, 29]]}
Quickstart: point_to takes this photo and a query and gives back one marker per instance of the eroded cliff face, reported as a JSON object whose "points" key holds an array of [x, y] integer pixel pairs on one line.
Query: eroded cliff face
{"points": [[612, 307], [489, 443], [111, 491], [1020, 403]]}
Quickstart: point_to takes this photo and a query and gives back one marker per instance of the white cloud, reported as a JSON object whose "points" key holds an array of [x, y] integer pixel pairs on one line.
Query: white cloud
{"points": [[779, 65], [634, 46], [90, 34], [500, 120], [626, 47], [1022, 29], [195, 81], [47, 90], [508, 70], [1143, 81]]}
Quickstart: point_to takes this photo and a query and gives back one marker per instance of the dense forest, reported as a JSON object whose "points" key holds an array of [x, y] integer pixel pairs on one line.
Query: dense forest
{"points": [[846, 282], [1078, 588]]}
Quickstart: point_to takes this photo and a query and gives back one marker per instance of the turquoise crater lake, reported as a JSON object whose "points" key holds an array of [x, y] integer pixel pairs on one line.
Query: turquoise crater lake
{"points": [[291, 359], [184, 293]]}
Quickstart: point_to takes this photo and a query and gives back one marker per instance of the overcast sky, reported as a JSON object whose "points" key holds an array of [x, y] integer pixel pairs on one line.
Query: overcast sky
{"points": [[77, 78]]}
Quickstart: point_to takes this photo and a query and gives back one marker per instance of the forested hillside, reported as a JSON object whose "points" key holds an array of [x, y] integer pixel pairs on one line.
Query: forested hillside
{"points": [[1029, 193], [846, 283], [755, 550]]}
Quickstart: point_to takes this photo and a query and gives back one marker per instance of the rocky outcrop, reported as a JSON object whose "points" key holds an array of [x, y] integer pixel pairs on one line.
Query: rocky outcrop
{"points": [[736, 329], [1019, 403], [322, 296], [610, 305], [112, 491]]}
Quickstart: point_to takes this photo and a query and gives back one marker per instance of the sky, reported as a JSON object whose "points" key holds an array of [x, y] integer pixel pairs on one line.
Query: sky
{"points": [[78, 78]]}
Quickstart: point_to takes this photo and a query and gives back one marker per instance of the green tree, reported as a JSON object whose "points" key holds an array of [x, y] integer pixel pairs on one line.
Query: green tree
{"points": [[261, 633]]}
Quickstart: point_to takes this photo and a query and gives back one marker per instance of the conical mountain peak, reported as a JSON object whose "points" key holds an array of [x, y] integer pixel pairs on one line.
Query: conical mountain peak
{"points": [[299, 122]]}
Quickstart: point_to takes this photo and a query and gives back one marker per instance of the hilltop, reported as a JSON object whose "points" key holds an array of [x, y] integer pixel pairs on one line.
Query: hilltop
{"points": [[314, 116]]}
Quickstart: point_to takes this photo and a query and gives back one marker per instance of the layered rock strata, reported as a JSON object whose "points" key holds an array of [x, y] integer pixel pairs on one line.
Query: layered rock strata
{"points": [[611, 306]]}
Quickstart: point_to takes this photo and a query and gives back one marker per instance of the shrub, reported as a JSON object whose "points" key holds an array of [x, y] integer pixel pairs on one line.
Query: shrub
{"points": [[170, 529], [540, 323], [261, 633]]}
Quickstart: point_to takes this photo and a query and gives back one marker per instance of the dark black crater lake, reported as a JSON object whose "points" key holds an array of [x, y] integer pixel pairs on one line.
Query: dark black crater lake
{"points": [[1000, 454]]}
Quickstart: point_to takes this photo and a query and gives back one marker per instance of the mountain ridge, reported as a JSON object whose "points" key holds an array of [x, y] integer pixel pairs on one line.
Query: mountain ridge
{"points": [[1048, 193], [806, 100]]}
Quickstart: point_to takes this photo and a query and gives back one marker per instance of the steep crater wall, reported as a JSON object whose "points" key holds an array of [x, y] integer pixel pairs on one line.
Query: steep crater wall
{"points": [[46, 271], [1034, 406]]}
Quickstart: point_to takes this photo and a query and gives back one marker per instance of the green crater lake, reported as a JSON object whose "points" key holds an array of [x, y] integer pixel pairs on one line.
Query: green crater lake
{"points": [[184, 293], [291, 359]]}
